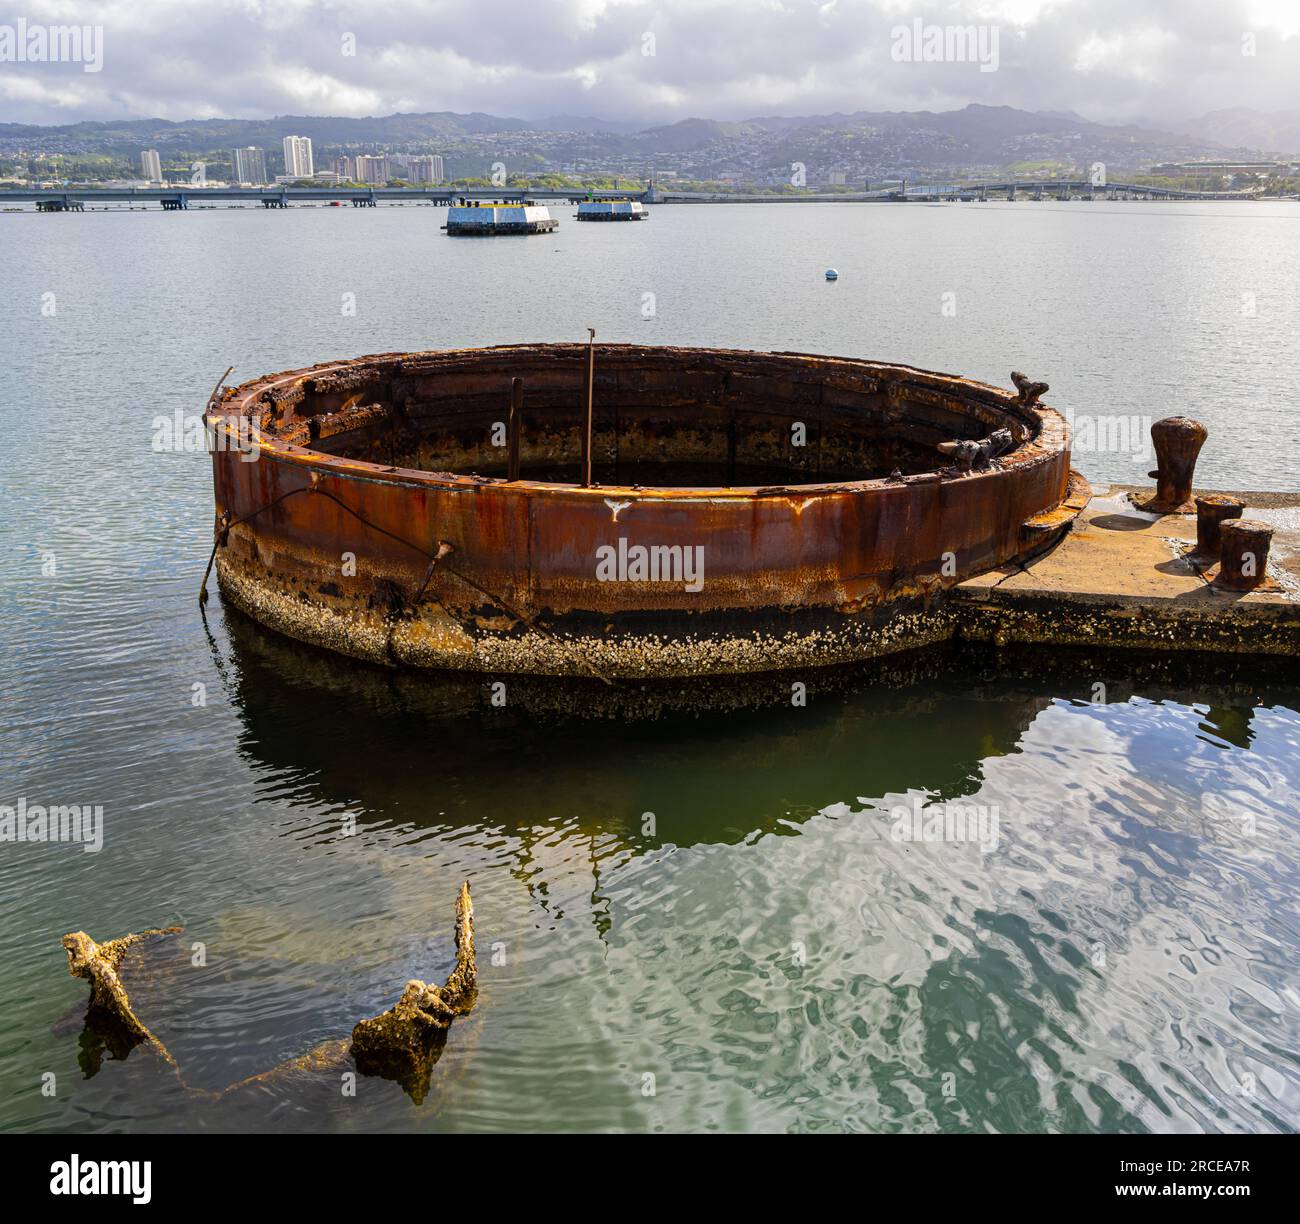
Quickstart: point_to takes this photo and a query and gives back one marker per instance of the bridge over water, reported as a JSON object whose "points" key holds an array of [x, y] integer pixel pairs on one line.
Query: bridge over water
{"points": [[175, 199], [1058, 189], [76, 199], [1011, 189]]}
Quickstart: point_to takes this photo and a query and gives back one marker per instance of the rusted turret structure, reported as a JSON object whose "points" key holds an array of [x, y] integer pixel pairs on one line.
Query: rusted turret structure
{"points": [[744, 512]]}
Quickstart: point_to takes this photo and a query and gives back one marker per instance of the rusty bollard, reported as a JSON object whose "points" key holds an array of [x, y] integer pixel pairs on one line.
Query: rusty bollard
{"points": [[1243, 561], [1212, 510], [1178, 441]]}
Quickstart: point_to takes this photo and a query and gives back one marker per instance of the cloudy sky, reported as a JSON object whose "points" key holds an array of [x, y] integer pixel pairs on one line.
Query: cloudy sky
{"points": [[649, 60]]}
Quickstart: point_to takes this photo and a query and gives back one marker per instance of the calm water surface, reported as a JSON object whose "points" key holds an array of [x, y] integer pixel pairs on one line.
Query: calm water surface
{"points": [[1122, 959]]}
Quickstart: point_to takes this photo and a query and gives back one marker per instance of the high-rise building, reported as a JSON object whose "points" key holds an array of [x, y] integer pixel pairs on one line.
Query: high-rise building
{"points": [[151, 165], [297, 156], [426, 169], [248, 166], [373, 169], [345, 167]]}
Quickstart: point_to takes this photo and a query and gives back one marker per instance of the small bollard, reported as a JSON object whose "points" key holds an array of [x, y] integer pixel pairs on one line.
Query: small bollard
{"points": [[1212, 510], [1243, 561], [1178, 442]]}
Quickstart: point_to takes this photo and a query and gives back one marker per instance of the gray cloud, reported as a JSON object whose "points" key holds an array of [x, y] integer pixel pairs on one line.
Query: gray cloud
{"points": [[1113, 60]]}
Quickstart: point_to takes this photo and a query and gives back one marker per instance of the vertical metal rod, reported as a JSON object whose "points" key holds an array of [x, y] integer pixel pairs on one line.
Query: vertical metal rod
{"points": [[591, 387], [514, 427]]}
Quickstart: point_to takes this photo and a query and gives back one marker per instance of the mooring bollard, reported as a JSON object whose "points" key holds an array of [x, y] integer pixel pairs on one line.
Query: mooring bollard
{"points": [[1243, 561], [1178, 442], [1212, 510]]}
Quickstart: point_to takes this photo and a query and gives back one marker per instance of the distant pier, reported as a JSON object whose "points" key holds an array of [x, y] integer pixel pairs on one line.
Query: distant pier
{"points": [[926, 193], [178, 199]]}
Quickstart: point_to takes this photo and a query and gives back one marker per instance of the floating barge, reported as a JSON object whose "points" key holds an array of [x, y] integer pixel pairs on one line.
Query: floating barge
{"points": [[612, 210], [744, 512], [475, 218]]}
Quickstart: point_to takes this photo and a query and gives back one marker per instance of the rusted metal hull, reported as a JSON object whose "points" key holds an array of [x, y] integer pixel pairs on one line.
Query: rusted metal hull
{"points": [[448, 569]]}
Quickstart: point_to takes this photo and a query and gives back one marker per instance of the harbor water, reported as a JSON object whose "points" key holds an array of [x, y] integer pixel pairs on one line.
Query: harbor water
{"points": [[963, 892]]}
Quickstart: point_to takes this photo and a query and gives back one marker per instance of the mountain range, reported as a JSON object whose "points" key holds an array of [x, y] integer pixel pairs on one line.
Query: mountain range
{"points": [[862, 141], [1245, 128]]}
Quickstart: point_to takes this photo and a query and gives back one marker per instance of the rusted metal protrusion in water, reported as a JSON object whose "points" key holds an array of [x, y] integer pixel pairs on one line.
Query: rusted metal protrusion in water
{"points": [[404, 1042], [110, 1015], [1178, 441], [401, 1044], [514, 427], [591, 388], [1243, 557], [1212, 511]]}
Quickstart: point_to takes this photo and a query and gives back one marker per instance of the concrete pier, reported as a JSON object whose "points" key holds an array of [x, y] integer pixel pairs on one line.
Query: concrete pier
{"points": [[1127, 578]]}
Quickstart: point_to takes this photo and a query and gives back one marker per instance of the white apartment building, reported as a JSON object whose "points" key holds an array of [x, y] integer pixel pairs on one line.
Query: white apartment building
{"points": [[297, 156]]}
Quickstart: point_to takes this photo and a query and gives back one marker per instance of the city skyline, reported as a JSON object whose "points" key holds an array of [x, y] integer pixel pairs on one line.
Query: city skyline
{"points": [[976, 143]]}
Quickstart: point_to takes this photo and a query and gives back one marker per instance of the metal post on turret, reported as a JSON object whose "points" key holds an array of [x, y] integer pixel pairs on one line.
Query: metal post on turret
{"points": [[591, 387], [515, 424]]}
